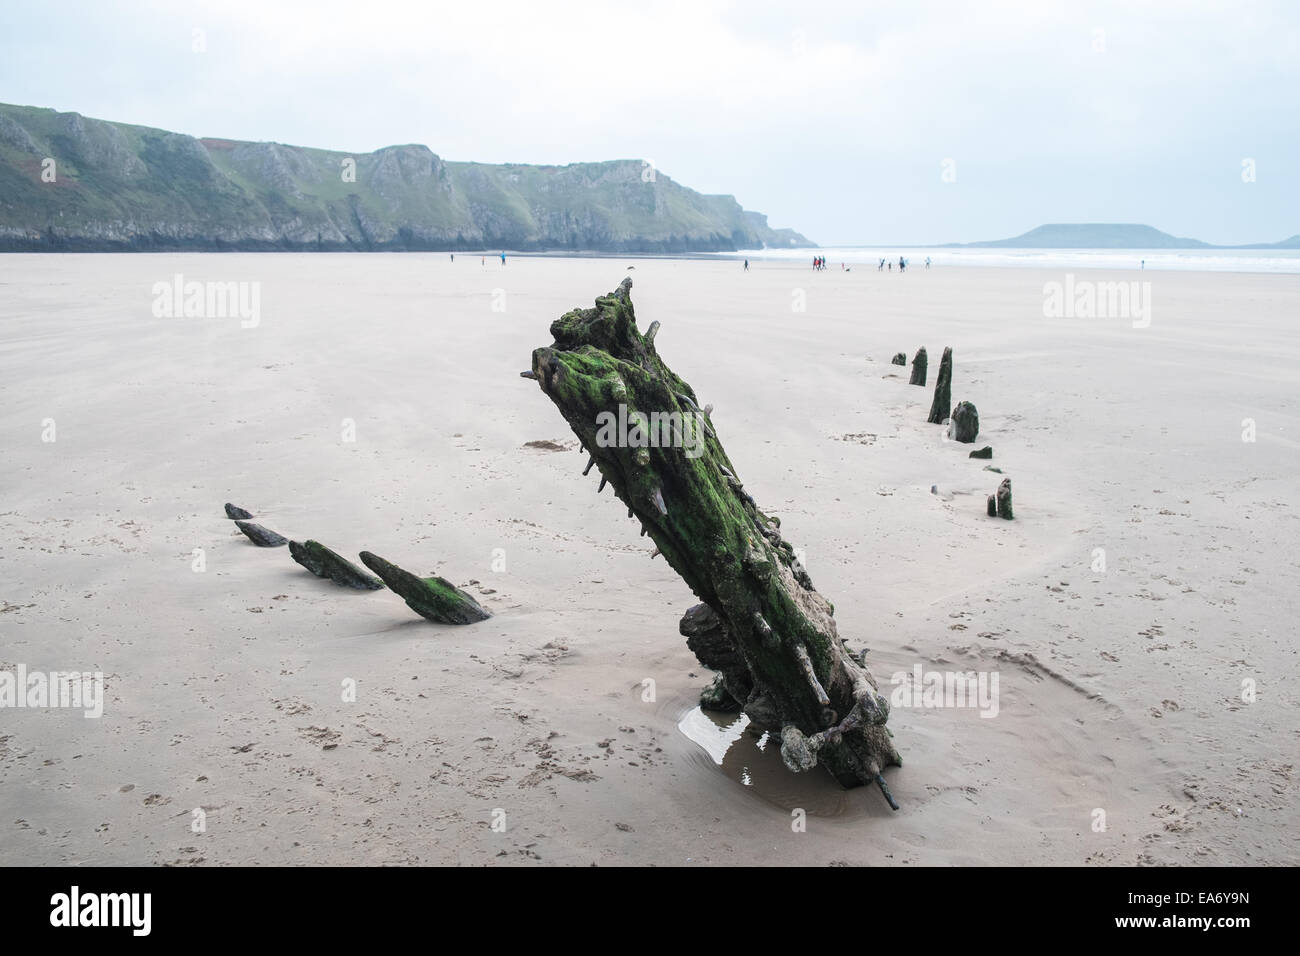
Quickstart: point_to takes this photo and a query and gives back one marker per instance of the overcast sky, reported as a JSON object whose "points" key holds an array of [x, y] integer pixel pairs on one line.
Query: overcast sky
{"points": [[836, 119]]}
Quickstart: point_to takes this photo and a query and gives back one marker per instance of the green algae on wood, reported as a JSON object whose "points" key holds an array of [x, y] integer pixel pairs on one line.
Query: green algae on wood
{"points": [[324, 563], [434, 598], [775, 638]]}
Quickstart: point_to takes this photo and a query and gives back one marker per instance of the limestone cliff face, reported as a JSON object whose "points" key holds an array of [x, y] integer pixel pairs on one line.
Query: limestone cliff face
{"points": [[120, 187]]}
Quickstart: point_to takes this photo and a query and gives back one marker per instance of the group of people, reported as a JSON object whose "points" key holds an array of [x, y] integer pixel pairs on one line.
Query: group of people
{"points": [[888, 266], [819, 263]]}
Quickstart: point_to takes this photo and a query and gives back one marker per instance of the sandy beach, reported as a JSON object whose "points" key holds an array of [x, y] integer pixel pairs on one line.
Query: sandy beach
{"points": [[1121, 690]]}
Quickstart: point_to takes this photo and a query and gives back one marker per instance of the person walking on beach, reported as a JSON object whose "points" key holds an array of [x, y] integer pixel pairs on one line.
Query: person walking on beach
{"points": [[746, 265], [503, 258], [902, 263], [927, 262]]}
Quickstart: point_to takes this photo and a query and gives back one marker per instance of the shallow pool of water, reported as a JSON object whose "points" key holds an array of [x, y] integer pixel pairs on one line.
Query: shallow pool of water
{"points": [[724, 742]]}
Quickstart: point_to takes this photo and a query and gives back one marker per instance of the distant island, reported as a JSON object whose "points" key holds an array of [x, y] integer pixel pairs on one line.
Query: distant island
{"points": [[71, 183], [1106, 235]]}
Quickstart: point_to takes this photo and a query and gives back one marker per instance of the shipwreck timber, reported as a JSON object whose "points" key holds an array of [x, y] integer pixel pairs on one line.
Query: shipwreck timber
{"points": [[774, 639]]}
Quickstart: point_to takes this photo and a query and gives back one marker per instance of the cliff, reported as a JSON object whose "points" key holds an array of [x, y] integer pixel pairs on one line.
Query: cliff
{"points": [[112, 186]]}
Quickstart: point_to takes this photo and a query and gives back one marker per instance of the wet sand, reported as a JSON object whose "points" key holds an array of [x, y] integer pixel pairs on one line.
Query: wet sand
{"points": [[1120, 690]]}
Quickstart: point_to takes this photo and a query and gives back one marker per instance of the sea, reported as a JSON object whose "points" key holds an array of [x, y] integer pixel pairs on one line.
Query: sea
{"points": [[1191, 260]]}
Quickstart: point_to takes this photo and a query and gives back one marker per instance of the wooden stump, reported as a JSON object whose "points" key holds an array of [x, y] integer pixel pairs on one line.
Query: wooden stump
{"points": [[332, 566], [434, 598], [1004, 499], [262, 537], [919, 363], [776, 639], [942, 403], [965, 424]]}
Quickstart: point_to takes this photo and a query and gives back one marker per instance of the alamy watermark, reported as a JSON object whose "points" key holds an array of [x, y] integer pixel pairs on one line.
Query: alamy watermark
{"points": [[75, 690], [129, 910], [179, 299], [1086, 299], [634, 429], [938, 689]]}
